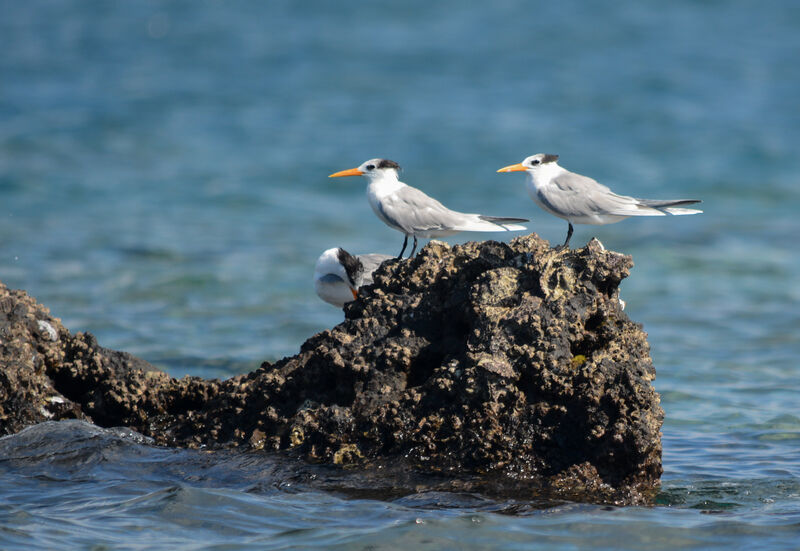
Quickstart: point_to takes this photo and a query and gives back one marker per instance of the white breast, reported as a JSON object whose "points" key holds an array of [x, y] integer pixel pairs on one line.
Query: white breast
{"points": [[378, 191], [540, 180]]}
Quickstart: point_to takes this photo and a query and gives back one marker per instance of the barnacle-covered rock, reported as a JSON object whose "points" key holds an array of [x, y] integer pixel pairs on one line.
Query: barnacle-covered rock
{"points": [[511, 363]]}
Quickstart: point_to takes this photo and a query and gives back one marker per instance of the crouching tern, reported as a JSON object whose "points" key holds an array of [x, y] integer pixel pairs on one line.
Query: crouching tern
{"points": [[581, 200], [408, 210], [338, 275]]}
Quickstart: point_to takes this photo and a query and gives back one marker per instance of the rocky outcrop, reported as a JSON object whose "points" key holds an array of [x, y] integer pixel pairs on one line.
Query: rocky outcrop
{"points": [[485, 361]]}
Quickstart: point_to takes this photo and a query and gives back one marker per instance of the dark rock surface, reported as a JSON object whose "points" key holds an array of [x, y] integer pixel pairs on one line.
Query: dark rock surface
{"points": [[479, 362]]}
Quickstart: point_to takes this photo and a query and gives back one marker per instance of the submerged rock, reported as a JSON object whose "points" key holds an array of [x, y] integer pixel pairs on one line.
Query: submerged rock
{"points": [[481, 362]]}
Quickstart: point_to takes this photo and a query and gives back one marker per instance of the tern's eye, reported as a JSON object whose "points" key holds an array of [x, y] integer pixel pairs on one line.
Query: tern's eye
{"points": [[535, 162], [370, 167]]}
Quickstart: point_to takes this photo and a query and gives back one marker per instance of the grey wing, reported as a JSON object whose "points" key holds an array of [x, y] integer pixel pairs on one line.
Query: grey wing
{"points": [[370, 262], [413, 211], [581, 196]]}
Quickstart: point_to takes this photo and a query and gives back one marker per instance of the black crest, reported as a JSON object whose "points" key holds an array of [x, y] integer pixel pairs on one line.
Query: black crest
{"points": [[386, 163], [352, 265], [548, 158]]}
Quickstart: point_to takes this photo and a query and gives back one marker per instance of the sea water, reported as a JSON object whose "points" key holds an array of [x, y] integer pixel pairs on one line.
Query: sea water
{"points": [[163, 185]]}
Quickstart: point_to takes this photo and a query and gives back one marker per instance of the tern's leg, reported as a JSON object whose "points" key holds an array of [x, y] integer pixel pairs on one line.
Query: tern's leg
{"points": [[414, 248], [569, 236], [405, 242]]}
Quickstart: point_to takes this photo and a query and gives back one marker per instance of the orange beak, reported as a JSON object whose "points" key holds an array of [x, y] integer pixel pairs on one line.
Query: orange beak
{"points": [[355, 293], [513, 168], [349, 172]]}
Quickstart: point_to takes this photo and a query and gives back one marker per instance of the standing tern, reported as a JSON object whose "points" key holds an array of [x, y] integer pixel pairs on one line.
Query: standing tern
{"points": [[581, 200], [338, 274], [408, 210]]}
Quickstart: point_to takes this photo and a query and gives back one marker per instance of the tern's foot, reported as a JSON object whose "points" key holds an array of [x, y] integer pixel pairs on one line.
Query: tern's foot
{"points": [[559, 248]]}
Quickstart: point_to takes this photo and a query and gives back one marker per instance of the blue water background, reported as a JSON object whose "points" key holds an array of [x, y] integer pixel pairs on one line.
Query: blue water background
{"points": [[163, 185]]}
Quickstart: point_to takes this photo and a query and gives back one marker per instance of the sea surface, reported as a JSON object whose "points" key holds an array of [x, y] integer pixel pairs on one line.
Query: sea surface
{"points": [[163, 185]]}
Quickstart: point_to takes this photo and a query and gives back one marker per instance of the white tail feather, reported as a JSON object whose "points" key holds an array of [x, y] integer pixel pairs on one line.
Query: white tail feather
{"points": [[484, 226], [680, 212]]}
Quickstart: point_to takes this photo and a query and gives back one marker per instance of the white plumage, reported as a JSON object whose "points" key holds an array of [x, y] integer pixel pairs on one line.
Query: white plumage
{"points": [[415, 214], [581, 200], [338, 275]]}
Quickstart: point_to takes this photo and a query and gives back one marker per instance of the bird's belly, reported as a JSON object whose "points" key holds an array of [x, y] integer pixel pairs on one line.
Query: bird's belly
{"points": [[427, 234], [595, 219]]}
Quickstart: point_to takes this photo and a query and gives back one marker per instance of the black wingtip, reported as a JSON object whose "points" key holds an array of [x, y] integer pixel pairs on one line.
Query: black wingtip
{"points": [[680, 202], [665, 203], [501, 219]]}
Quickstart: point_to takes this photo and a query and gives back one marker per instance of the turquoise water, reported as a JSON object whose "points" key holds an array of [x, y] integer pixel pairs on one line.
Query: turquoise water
{"points": [[163, 174]]}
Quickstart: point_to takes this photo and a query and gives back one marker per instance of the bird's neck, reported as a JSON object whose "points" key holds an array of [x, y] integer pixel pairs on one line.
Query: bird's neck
{"points": [[544, 174], [384, 184]]}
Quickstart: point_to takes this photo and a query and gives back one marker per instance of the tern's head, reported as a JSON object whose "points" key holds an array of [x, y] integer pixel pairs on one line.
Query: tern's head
{"points": [[533, 164], [336, 275], [374, 169]]}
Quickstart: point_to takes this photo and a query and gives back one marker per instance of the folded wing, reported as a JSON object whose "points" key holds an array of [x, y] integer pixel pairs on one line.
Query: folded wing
{"points": [[578, 196], [417, 213]]}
